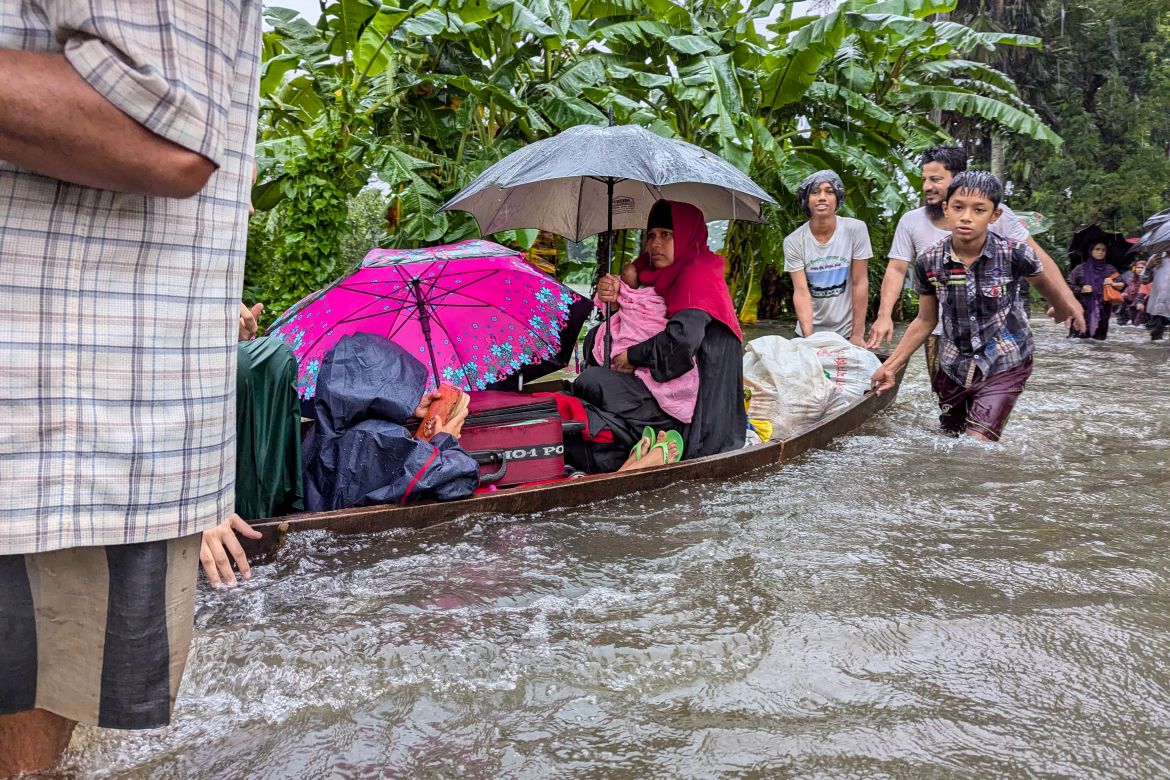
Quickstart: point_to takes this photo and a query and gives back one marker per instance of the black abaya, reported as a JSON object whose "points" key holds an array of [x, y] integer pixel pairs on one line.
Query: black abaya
{"points": [[622, 404], [1102, 331]]}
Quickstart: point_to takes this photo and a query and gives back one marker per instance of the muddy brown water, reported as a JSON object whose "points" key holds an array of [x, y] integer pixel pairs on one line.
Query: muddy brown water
{"points": [[901, 605]]}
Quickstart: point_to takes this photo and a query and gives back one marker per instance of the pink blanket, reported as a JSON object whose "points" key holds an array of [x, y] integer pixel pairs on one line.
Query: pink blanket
{"points": [[642, 316]]}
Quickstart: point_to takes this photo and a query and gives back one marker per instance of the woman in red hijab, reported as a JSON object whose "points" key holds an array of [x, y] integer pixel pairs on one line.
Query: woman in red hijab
{"points": [[702, 331]]}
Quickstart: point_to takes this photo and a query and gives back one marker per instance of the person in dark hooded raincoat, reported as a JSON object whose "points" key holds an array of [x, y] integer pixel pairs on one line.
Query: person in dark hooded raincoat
{"points": [[702, 330], [359, 453]]}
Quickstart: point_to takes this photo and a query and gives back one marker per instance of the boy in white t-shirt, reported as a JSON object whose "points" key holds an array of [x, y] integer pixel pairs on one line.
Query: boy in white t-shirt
{"points": [[828, 258]]}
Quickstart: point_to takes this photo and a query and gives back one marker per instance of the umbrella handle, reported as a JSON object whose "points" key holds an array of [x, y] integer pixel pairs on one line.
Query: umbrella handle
{"points": [[608, 337], [609, 267]]}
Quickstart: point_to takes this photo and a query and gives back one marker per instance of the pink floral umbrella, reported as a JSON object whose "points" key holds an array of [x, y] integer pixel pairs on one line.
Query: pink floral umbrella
{"points": [[474, 312]]}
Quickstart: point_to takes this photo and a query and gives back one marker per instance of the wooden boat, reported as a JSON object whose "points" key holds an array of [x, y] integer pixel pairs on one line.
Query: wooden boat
{"points": [[571, 492]]}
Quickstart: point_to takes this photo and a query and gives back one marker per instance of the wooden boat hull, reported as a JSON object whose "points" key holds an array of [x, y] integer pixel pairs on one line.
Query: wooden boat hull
{"points": [[571, 492]]}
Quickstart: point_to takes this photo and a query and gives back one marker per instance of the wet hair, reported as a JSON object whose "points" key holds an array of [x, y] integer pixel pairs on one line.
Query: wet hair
{"points": [[950, 156], [815, 180], [979, 182]]}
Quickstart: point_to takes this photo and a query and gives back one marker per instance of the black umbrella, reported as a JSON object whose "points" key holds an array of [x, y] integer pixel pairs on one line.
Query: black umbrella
{"points": [[1083, 241], [1156, 237], [589, 179], [1161, 218]]}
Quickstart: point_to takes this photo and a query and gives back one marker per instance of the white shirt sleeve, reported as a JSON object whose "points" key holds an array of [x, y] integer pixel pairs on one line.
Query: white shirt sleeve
{"points": [[862, 249], [793, 253], [902, 247], [1008, 225]]}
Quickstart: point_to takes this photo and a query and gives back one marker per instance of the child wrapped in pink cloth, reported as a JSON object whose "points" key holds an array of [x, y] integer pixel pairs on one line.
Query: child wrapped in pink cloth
{"points": [[642, 315]]}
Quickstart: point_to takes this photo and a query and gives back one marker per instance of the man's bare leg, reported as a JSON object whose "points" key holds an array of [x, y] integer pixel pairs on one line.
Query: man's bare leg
{"points": [[32, 741]]}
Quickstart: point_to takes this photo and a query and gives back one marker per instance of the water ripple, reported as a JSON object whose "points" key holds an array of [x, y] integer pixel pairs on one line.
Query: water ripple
{"points": [[902, 604]]}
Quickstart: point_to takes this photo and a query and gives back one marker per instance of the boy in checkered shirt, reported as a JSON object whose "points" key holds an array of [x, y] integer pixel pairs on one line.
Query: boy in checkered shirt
{"points": [[969, 281]]}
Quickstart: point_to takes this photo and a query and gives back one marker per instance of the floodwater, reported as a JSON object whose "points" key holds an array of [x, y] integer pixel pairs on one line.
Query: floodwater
{"points": [[901, 605]]}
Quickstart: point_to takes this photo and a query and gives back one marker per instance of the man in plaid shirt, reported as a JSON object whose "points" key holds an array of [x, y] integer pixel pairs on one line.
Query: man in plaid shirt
{"points": [[969, 280], [126, 136]]}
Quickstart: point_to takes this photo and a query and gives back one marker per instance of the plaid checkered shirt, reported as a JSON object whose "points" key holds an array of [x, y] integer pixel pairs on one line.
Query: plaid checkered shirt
{"points": [[984, 323], [118, 328]]}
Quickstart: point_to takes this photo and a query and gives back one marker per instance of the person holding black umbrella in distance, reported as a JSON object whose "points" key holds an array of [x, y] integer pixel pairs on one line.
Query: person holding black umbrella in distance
{"points": [[1097, 285]]}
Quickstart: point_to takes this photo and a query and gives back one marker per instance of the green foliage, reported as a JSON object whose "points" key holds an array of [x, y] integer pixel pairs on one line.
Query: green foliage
{"points": [[427, 95], [366, 226], [1102, 81], [258, 268], [856, 91], [307, 252]]}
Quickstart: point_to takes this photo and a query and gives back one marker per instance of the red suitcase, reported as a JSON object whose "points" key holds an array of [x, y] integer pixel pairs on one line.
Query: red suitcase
{"points": [[515, 438]]}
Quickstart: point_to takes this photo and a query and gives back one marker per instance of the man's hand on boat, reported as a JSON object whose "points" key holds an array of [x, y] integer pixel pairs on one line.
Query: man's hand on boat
{"points": [[221, 548], [607, 289], [884, 378]]}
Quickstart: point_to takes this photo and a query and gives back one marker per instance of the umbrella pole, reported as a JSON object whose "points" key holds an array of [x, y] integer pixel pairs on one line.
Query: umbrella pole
{"points": [[424, 321], [609, 269]]}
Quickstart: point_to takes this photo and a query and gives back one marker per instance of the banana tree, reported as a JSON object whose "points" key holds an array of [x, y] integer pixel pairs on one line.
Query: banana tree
{"points": [[853, 90], [421, 97], [427, 95]]}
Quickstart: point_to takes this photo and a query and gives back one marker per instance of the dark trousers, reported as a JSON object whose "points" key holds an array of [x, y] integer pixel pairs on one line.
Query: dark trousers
{"points": [[617, 402], [982, 406], [1157, 326], [1102, 321]]}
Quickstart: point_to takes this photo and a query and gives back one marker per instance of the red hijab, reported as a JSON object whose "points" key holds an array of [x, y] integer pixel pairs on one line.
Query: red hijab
{"points": [[695, 279]]}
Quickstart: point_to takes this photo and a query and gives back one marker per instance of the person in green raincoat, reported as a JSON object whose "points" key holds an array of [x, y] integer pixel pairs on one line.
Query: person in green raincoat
{"points": [[269, 482]]}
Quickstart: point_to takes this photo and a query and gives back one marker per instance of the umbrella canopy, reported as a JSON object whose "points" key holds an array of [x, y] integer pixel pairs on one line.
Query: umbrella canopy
{"points": [[561, 184], [1083, 240], [1156, 239], [474, 313], [1161, 218]]}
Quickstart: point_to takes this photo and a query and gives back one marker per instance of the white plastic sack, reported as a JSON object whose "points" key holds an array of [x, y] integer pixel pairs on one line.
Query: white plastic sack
{"points": [[787, 383], [849, 367]]}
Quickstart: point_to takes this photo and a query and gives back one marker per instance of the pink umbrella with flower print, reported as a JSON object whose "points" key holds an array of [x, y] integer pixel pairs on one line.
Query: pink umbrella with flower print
{"points": [[473, 312]]}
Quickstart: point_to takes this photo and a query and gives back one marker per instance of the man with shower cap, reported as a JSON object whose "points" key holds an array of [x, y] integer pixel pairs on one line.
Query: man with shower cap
{"points": [[828, 258]]}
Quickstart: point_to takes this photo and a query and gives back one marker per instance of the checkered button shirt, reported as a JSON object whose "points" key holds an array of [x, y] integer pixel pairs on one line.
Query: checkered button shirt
{"points": [[117, 330], [984, 322]]}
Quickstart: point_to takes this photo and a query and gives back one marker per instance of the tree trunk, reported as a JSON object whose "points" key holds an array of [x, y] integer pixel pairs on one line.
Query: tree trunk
{"points": [[998, 163]]}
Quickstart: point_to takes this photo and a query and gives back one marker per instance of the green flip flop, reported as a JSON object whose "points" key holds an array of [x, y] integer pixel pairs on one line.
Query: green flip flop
{"points": [[648, 436], [671, 436]]}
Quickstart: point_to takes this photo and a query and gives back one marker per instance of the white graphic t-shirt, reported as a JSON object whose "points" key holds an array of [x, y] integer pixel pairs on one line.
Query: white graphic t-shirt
{"points": [[915, 233], [827, 267]]}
